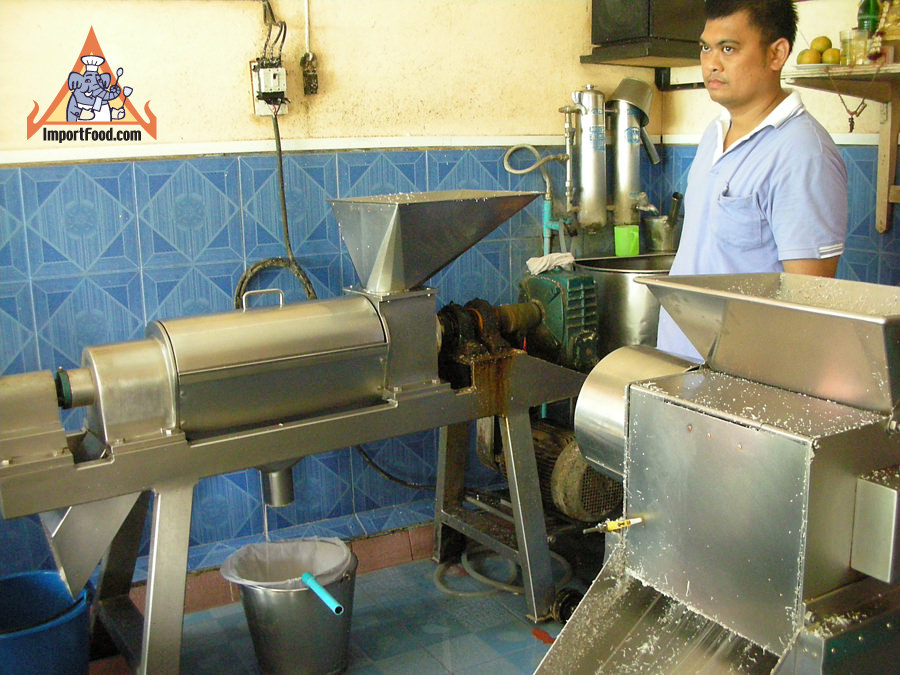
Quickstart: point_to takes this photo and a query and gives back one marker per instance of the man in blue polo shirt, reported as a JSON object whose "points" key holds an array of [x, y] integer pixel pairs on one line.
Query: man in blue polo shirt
{"points": [[767, 191]]}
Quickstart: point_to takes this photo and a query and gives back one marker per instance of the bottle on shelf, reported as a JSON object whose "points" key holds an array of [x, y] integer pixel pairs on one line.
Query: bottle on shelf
{"points": [[867, 16]]}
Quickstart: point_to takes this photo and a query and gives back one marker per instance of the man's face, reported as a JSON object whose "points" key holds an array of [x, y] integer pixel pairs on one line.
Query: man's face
{"points": [[737, 67]]}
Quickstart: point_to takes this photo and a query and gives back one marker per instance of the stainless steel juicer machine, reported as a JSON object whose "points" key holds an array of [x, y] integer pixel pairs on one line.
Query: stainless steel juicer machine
{"points": [[207, 395], [761, 530]]}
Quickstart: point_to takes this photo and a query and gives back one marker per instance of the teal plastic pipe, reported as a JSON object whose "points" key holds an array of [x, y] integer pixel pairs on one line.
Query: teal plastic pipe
{"points": [[551, 225], [324, 595]]}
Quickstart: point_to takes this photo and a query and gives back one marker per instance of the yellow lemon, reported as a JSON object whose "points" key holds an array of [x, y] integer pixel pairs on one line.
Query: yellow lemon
{"points": [[820, 44], [831, 56], [809, 56]]}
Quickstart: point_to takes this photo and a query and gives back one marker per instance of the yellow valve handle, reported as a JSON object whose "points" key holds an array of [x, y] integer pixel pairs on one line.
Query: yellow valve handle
{"points": [[613, 525]]}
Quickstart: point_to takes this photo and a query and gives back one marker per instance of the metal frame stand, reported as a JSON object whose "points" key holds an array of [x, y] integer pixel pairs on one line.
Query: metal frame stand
{"points": [[526, 542], [171, 465], [169, 539], [150, 643]]}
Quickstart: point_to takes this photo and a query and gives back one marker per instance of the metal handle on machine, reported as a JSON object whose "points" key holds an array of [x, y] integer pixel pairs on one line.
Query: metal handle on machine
{"points": [[674, 208], [262, 291], [893, 423]]}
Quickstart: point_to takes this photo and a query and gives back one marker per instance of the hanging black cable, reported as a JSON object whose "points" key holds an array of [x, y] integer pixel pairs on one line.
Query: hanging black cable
{"points": [[289, 263], [371, 462]]}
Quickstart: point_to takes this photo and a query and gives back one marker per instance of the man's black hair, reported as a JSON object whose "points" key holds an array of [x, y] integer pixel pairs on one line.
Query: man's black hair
{"points": [[775, 19]]}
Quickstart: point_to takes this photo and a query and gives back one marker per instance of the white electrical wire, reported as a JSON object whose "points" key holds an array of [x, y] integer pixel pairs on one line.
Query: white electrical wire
{"points": [[307, 27], [509, 588], [493, 584], [441, 570]]}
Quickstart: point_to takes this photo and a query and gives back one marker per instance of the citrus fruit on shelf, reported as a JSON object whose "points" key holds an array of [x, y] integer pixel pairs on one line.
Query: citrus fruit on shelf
{"points": [[808, 56], [831, 56], [820, 44]]}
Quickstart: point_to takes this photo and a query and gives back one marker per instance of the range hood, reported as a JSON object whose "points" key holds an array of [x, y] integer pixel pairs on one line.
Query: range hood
{"points": [[657, 33]]}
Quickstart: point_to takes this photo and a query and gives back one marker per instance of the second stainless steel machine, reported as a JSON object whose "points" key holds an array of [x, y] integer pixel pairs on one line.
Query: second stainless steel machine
{"points": [[762, 489]]}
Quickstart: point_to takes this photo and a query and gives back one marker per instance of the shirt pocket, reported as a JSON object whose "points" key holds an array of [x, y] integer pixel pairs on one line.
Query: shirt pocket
{"points": [[738, 222]]}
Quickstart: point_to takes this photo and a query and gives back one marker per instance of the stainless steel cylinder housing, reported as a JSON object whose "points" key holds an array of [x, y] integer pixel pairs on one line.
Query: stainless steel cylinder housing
{"points": [[590, 158], [237, 369], [627, 151], [601, 414], [226, 371], [629, 107]]}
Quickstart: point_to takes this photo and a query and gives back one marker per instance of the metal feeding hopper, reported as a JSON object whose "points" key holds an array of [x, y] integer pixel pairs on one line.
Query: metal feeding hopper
{"points": [[398, 241], [829, 338]]}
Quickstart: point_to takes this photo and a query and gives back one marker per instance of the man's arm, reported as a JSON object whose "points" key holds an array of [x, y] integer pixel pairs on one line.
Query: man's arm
{"points": [[825, 267]]}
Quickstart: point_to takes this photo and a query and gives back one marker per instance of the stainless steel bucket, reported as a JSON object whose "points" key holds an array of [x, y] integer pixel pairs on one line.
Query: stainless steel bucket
{"points": [[292, 630], [628, 314]]}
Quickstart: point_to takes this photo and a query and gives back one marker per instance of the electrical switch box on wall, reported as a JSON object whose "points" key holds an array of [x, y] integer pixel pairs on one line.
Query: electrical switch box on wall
{"points": [[268, 89]]}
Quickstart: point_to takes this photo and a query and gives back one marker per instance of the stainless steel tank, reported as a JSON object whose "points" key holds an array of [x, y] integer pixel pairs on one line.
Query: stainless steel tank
{"points": [[628, 313]]}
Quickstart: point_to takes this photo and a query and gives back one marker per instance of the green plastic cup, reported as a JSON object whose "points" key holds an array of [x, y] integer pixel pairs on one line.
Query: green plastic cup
{"points": [[628, 240]]}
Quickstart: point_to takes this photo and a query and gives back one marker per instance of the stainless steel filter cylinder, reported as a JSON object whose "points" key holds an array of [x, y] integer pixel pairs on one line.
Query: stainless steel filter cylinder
{"points": [[627, 148], [590, 158]]}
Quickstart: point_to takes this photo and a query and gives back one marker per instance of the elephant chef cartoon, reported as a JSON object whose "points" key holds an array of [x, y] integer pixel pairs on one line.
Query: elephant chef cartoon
{"points": [[92, 92]]}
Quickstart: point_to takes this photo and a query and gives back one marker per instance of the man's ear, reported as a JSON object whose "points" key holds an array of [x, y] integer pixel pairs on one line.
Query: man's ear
{"points": [[778, 52]]}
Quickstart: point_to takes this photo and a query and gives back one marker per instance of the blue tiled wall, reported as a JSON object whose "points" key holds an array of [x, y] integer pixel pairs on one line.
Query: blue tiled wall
{"points": [[90, 253]]}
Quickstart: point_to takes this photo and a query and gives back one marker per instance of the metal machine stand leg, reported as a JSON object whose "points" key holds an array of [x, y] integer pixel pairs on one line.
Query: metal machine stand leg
{"points": [[451, 470], [117, 619], [528, 512], [527, 544], [164, 613], [118, 564]]}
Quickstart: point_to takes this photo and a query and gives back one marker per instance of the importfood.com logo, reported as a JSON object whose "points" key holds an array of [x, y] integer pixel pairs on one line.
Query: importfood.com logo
{"points": [[93, 104]]}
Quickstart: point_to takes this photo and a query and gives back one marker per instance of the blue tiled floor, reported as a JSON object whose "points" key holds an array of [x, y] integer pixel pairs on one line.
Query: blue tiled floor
{"points": [[401, 623]]}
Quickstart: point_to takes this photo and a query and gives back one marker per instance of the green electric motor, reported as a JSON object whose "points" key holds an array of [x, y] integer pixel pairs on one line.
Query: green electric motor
{"points": [[568, 333]]}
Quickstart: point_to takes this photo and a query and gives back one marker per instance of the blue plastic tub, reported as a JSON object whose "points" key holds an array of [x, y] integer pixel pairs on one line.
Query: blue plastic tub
{"points": [[42, 631]]}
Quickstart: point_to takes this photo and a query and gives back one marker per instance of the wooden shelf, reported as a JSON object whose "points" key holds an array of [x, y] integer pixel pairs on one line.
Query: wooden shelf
{"points": [[869, 82], [881, 84]]}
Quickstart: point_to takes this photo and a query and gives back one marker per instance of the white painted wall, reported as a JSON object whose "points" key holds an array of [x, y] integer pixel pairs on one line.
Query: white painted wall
{"points": [[387, 68], [399, 73]]}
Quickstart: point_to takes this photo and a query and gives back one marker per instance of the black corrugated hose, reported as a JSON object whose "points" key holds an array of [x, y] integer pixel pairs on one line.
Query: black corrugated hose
{"points": [[395, 479], [289, 263]]}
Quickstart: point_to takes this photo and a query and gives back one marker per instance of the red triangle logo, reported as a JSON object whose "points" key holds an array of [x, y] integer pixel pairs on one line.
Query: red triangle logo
{"points": [[56, 113]]}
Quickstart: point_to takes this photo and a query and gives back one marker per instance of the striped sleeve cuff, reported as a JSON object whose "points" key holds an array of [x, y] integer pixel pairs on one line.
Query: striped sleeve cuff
{"points": [[831, 251]]}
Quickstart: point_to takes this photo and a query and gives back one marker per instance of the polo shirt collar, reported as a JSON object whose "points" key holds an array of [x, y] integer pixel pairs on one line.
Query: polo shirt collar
{"points": [[788, 108]]}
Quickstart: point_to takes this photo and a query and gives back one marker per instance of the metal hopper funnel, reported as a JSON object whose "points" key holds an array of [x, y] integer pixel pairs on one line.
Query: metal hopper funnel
{"points": [[398, 241], [829, 338]]}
